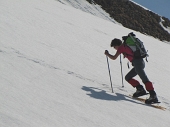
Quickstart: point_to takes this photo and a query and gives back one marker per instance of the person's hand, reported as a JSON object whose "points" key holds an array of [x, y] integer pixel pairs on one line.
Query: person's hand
{"points": [[106, 53]]}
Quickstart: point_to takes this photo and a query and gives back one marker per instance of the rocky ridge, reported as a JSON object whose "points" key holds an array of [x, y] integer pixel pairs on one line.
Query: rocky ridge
{"points": [[135, 17]]}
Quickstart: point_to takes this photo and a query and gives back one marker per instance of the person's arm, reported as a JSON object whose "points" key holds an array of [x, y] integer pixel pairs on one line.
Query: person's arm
{"points": [[113, 57]]}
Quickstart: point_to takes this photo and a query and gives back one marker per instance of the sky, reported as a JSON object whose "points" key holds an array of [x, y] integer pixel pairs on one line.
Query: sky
{"points": [[53, 71], [161, 7]]}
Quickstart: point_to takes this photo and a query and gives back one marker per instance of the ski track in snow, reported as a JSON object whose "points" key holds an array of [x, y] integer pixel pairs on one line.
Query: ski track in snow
{"points": [[42, 63], [90, 89]]}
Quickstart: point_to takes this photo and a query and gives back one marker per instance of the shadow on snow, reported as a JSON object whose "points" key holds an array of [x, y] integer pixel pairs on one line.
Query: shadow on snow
{"points": [[103, 95]]}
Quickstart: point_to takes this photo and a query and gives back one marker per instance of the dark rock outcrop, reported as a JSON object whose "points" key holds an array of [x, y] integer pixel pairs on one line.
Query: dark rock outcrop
{"points": [[135, 17]]}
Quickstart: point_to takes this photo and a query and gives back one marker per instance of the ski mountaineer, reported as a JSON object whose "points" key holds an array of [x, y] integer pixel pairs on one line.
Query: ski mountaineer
{"points": [[138, 69]]}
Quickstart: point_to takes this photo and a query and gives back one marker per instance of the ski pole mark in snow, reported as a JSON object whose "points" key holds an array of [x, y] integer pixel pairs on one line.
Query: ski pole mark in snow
{"points": [[60, 1], [81, 77], [37, 61], [99, 31], [42, 63]]}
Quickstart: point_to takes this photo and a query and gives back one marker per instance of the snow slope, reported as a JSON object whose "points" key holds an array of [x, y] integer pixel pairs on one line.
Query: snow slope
{"points": [[165, 28], [54, 71], [93, 9]]}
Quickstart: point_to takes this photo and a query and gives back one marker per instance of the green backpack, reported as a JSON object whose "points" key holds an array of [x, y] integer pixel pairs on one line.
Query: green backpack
{"points": [[135, 45]]}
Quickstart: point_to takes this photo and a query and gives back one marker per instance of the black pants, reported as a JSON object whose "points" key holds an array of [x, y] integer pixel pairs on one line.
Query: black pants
{"points": [[138, 69]]}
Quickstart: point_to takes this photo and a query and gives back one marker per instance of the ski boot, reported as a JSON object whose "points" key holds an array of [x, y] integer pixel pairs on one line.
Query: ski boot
{"points": [[140, 91], [152, 99]]}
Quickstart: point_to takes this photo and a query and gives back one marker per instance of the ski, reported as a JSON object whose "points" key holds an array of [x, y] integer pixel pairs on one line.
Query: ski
{"points": [[151, 105]]}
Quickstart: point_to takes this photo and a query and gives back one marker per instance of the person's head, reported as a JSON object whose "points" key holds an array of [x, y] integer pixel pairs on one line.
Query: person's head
{"points": [[115, 43]]}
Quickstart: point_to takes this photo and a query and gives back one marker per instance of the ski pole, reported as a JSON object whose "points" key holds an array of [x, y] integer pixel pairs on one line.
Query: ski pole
{"points": [[121, 70], [109, 73]]}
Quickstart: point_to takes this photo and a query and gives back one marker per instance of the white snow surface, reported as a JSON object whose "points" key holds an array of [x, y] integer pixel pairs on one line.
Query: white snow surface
{"points": [[53, 71], [85, 6], [165, 28]]}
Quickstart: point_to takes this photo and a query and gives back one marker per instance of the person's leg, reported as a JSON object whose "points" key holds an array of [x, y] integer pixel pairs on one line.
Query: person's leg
{"points": [[139, 88], [129, 78], [139, 66]]}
